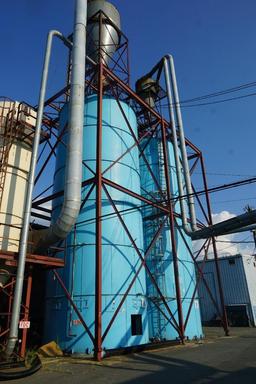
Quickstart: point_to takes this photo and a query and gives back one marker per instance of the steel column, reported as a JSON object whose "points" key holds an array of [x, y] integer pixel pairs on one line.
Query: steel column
{"points": [[222, 301], [142, 259], [26, 316], [68, 296], [172, 234], [98, 267]]}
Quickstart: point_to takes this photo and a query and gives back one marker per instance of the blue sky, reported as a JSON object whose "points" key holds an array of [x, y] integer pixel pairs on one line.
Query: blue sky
{"points": [[213, 43]]}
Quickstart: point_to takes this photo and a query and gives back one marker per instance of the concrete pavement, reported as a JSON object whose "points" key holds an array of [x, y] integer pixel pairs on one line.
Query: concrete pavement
{"points": [[217, 360]]}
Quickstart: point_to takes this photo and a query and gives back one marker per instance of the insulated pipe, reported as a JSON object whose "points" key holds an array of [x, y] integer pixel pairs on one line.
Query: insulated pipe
{"points": [[72, 193], [13, 335], [183, 149], [175, 146], [251, 228], [73, 177], [242, 223]]}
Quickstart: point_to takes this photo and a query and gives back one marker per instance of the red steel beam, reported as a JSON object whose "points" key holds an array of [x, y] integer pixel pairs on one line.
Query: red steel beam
{"points": [[11, 285], [222, 301], [172, 234], [138, 146], [68, 296], [201, 274], [141, 257], [135, 195], [49, 155], [33, 259], [26, 316], [98, 248], [201, 205], [196, 286], [157, 234], [143, 104], [58, 194], [125, 153], [87, 196]]}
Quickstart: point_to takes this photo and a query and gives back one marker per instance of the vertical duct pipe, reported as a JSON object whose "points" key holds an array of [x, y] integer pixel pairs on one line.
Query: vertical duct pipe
{"points": [[72, 193], [237, 224], [73, 177], [183, 149], [175, 146], [245, 222]]}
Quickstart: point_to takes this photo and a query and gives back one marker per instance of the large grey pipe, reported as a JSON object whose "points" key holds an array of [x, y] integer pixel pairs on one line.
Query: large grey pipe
{"points": [[183, 149], [73, 177], [242, 223], [174, 111], [245, 222], [72, 193], [175, 146]]}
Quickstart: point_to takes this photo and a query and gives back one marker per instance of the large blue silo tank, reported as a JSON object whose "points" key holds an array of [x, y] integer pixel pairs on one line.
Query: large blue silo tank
{"points": [[119, 259], [160, 260]]}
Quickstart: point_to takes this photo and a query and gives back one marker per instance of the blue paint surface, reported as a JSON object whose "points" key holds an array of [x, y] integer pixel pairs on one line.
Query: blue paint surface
{"points": [[160, 259], [119, 259]]}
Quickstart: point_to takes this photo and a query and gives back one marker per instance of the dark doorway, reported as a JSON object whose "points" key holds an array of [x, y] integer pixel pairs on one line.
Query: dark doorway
{"points": [[238, 315]]}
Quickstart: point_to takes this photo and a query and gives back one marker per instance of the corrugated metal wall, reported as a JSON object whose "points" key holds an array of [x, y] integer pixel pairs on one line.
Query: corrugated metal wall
{"points": [[250, 272], [235, 272]]}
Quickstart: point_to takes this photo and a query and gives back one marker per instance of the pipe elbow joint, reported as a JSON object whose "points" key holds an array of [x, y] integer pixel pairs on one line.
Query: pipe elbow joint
{"points": [[169, 56]]}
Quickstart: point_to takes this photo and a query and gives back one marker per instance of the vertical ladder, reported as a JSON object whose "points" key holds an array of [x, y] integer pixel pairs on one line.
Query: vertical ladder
{"points": [[157, 255], [158, 271], [162, 178]]}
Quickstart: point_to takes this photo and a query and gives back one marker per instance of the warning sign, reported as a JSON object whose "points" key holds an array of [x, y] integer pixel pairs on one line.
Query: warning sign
{"points": [[24, 324]]}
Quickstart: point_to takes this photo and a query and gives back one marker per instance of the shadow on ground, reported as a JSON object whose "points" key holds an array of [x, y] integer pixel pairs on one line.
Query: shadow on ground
{"points": [[172, 370]]}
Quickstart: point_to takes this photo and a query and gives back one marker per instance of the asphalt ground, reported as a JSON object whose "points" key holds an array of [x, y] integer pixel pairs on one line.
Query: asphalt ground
{"points": [[218, 359]]}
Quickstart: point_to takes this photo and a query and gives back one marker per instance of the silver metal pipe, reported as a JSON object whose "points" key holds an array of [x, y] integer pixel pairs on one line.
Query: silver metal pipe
{"points": [[73, 177], [245, 222], [72, 194], [13, 335], [183, 149], [241, 223], [175, 146]]}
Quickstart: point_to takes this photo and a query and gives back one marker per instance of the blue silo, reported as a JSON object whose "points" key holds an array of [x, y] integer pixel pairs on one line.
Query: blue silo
{"points": [[119, 259], [160, 260]]}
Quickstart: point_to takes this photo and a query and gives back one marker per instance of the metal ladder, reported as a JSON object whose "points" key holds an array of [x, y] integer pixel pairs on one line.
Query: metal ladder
{"points": [[158, 262], [162, 179], [158, 271], [156, 258]]}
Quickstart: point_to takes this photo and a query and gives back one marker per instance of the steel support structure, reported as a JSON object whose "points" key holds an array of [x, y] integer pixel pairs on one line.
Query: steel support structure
{"points": [[113, 80], [172, 233], [109, 83]]}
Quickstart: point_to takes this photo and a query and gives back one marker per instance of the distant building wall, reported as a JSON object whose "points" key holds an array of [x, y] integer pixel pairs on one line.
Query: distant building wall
{"points": [[238, 275]]}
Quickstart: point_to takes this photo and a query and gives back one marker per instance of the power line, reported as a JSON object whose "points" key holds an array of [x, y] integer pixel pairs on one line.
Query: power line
{"points": [[235, 242], [210, 190], [233, 201], [214, 102], [223, 174], [220, 93], [222, 187], [228, 242], [175, 199]]}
